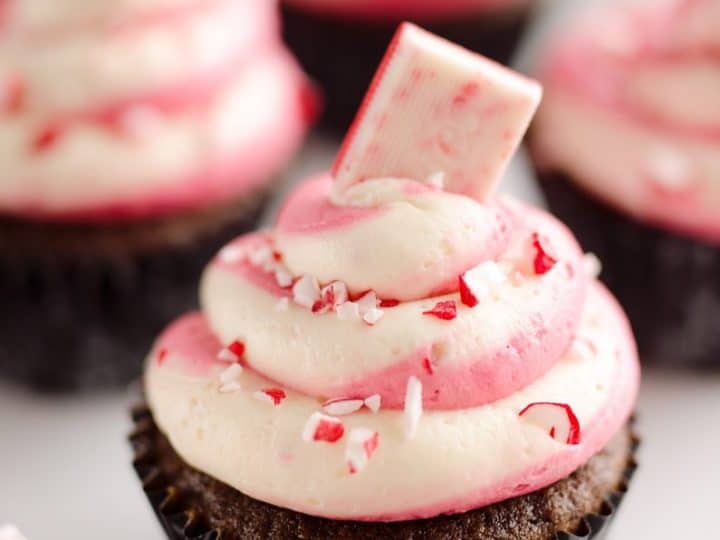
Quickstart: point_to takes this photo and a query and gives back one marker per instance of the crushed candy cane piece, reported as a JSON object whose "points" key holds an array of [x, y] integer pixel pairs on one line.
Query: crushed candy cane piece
{"points": [[367, 302], [389, 303], [306, 291], [373, 402], [446, 310], [361, 445], [592, 265], [428, 365], [321, 427], [233, 352], [283, 278], [413, 407], [232, 254], [557, 419], [231, 374], [274, 396], [162, 356], [477, 284], [349, 311], [543, 261], [372, 316], [342, 406]]}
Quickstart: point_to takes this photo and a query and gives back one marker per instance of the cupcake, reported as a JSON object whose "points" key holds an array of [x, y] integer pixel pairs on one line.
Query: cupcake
{"points": [[402, 355], [626, 144], [340, 42], [136, 139]]}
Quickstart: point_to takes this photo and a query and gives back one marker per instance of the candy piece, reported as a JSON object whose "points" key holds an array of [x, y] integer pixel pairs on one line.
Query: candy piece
{"points": [[476, 285], [231, 387], [232, 353], [162, 356], [446, 310], [320, 427], [231, 254], [342, 406], [283, 277], [274, 396], [306, 291], [373, 402], [557, 419], [428, 366], [389, 303], [231, 374], [413, 406], [361, 445], [46, 138], [372, 316], [435, 107], [543, 261], [349, 311]]}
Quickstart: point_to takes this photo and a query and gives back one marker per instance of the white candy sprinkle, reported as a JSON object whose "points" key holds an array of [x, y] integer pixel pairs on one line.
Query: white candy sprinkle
{"points": [[231, 374], [283, 304], [317, 420], [261, 256], [373, 315], [339, 293], [373, 402], [306, 291], [231, 254], [484, 279], [230, 387], [226, 355], [342, 407], [367, 302], [264, 397], [593, 266], [361, 445], [413, 406], [348, 311], [283, 277]]}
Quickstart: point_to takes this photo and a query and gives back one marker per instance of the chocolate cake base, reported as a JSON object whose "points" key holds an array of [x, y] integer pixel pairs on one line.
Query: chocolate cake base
{"points": [[342, 54], [82, 304], [191, 504], [668, 283]]}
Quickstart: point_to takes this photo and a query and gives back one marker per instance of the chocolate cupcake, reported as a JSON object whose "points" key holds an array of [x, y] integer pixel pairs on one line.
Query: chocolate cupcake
{"points": [[626, 145], [398, 357], [341, 42], [137, 139]]}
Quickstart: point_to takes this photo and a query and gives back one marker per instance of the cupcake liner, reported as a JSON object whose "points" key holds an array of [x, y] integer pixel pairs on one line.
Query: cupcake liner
{"points": [[668, 283], [182, 521], [81, 307], [343, 54]]}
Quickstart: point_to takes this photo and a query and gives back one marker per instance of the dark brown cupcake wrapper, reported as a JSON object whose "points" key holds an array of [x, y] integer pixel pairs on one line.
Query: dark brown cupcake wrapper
{"points": [[183, 522], [79, 316]]}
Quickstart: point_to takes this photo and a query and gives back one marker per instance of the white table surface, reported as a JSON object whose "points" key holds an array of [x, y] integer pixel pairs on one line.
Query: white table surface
{"points": [[65, 468]]}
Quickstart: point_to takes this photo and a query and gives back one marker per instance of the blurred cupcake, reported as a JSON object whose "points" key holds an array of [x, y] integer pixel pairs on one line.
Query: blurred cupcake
{"points": [[136, 138], [398, 357], [627, 143], [341, 42]]}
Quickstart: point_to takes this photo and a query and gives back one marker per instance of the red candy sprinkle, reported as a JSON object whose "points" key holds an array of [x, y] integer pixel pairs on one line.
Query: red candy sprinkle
{"points": [[558, 418], [466, 295], [46, 138], [237, 348], [446, 310], [277, 394], [389, 303], [428, 366], [543, 261], [328, 431], [161, 356]]}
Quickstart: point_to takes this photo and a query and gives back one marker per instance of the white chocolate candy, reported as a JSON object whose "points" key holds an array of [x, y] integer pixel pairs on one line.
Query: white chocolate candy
{"points": [[436, 108]]}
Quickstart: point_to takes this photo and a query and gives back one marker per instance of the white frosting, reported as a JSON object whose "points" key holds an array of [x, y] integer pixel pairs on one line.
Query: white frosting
{"points": [[91, 165], [453, 456], [92, 67]]}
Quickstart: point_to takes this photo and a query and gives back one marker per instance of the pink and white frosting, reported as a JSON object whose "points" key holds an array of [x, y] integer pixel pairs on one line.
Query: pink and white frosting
{"points": [[406, 353], [632, 111], [404, 9], [125, 108]]}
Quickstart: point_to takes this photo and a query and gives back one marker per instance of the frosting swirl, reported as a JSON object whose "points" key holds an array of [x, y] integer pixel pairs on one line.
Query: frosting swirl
{"points": [[345, 322], [650, 101]]}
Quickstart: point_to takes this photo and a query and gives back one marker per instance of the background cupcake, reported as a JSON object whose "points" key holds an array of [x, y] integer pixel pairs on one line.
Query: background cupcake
{"points": [[340, 42], [136, 137], [627, 145], [398, 357]]}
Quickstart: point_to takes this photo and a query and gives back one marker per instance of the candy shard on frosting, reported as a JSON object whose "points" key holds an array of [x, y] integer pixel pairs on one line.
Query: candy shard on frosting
{"points": [[323, 428], [434, 106], [361, 445], [558, 419], [413, 407]]}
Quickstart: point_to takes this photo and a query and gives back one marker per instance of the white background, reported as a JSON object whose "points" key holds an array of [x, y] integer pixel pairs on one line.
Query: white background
{"points": [[65, 469]]}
